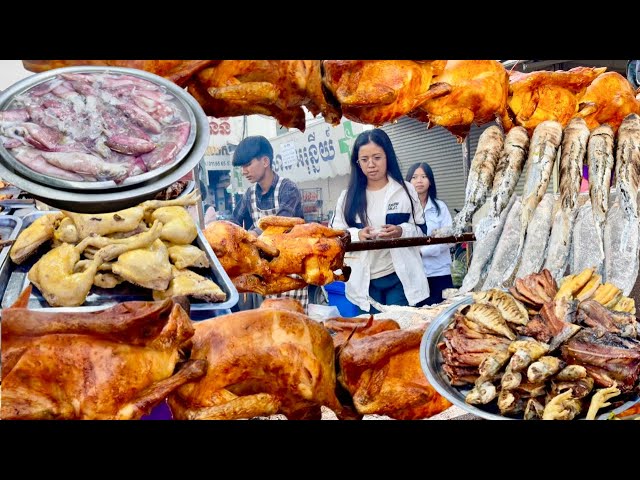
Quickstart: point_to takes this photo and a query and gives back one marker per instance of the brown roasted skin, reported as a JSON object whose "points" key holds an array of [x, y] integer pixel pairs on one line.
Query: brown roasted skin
{"points": [[379, 91], [608, 99], [345, 329], [114, 364], [309, 250], [237, 249], [382, 373], [178, 71], [543, 95], [260, 362], [468, 92], [279, 88]]}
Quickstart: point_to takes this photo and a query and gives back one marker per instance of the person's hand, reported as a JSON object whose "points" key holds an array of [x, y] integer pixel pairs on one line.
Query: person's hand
{"points": [[367, 233], [390, 231]]}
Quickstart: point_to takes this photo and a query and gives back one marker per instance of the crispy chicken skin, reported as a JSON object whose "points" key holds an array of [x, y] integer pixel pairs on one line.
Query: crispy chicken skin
{"points": [[114, 364]]}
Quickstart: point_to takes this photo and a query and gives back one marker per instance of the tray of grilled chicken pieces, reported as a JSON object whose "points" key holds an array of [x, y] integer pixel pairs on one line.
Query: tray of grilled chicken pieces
{"points": [[100, 297], [10, 225]]}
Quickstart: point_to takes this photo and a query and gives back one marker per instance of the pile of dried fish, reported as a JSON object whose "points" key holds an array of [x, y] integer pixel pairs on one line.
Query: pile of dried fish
{"points": [[543, 351]]}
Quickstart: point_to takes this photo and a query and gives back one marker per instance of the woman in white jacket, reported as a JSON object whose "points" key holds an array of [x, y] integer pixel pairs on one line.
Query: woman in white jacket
{"points": [[436, 258], [378, 203]]}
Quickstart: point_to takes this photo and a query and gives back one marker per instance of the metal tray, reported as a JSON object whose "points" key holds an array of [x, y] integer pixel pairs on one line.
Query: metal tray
{"points": [[181, 99], [100, 298], [10, 225], [431, 362]]}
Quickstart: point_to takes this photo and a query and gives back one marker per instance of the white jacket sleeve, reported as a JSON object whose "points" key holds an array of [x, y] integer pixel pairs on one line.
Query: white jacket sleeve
{"points": [[412, 227], [444, 221], [338, 222]]}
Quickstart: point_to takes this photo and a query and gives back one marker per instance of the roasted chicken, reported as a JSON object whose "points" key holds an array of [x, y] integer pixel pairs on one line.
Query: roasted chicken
{"points": [[380, 91], [260, 362], [608, 99], [178, 71], [279, 88], [114, 364], [468, 92], [538, 96]]}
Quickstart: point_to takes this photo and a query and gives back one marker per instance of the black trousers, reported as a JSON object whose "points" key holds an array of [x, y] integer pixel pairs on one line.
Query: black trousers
{"points": [[436, 286]]}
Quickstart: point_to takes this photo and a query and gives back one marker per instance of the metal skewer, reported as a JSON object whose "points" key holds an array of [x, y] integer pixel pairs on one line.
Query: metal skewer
{"points": [[407, 242]]}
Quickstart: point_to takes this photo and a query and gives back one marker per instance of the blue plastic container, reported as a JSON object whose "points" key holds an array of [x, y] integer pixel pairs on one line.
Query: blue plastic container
{"points": [[337, 298]]}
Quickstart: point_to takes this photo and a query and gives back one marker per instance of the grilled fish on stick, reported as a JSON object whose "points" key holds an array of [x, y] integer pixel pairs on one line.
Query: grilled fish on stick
{"points": [[574, 148], [600, 158], [481, 173], [542, 153]]}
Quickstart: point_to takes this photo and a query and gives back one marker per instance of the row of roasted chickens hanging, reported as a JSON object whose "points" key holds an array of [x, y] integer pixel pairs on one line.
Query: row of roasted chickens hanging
{"points": [[451, 93]]}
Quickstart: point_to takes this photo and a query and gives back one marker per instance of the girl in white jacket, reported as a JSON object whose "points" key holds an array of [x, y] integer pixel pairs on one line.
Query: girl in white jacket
{"points": [[436, 258], [378, 203]]}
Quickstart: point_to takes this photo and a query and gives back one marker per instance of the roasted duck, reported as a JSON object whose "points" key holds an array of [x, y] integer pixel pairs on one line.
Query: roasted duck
{"points": [[380, 91], [260, 362], [114, 364], [468, 92], [287, 255], [538, 96], [278, 88]]}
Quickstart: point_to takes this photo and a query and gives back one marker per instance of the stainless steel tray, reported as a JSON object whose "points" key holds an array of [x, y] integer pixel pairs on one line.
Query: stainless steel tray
{"points": [[431, 362], [10, 225], [23, 86], [100, 298]]}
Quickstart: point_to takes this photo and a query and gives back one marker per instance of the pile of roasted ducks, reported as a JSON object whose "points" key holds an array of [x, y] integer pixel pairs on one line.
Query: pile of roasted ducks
{"points": [[121, 362], [546, 352], [565, 232], [451, 93], [149, 245], [289, 254]]}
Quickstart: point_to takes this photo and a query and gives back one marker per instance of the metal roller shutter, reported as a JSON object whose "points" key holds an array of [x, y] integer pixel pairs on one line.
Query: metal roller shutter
{"points": [[413, 142]]}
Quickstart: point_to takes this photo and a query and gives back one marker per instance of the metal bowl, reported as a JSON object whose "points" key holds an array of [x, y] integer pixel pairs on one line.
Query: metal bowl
{"points": [[86, 198], [431, 362]]}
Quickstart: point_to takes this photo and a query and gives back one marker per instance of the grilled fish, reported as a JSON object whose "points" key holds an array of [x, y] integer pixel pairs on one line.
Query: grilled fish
{"points": [[621, 247], [628, 169], [537, 238], [542, 153], [481, 173], [484, 250], [489, 317], [600, 159], [574, 148]]}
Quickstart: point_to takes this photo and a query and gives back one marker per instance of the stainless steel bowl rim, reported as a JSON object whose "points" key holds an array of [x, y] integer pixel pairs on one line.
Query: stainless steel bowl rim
{"points": [[133, 193], [8, 96]]}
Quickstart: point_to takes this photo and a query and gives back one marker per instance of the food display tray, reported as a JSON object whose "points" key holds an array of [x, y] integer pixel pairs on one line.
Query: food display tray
{"points": [[431, 362], [101, 298], [10, 225]]}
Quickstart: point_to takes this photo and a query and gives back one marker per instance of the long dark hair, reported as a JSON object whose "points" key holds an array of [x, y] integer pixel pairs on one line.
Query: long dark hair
{"points": [[433, 191], [356, 198]]}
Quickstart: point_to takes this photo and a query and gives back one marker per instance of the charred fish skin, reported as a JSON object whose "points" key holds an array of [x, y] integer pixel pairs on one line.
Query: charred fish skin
{"points": [[508, 169], [600, 160], [574, 148], [628, 164], [481, 175], [542, 153]]}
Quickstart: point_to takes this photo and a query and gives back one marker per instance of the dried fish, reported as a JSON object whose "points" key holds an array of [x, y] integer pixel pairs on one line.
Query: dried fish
{"points": [[621, 248], [489, 317], [481, 175], [511, 309], [585, 236]]}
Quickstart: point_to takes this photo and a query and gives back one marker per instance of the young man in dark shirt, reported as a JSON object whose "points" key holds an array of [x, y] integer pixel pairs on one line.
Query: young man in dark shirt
{"points": [[269, 194]]}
